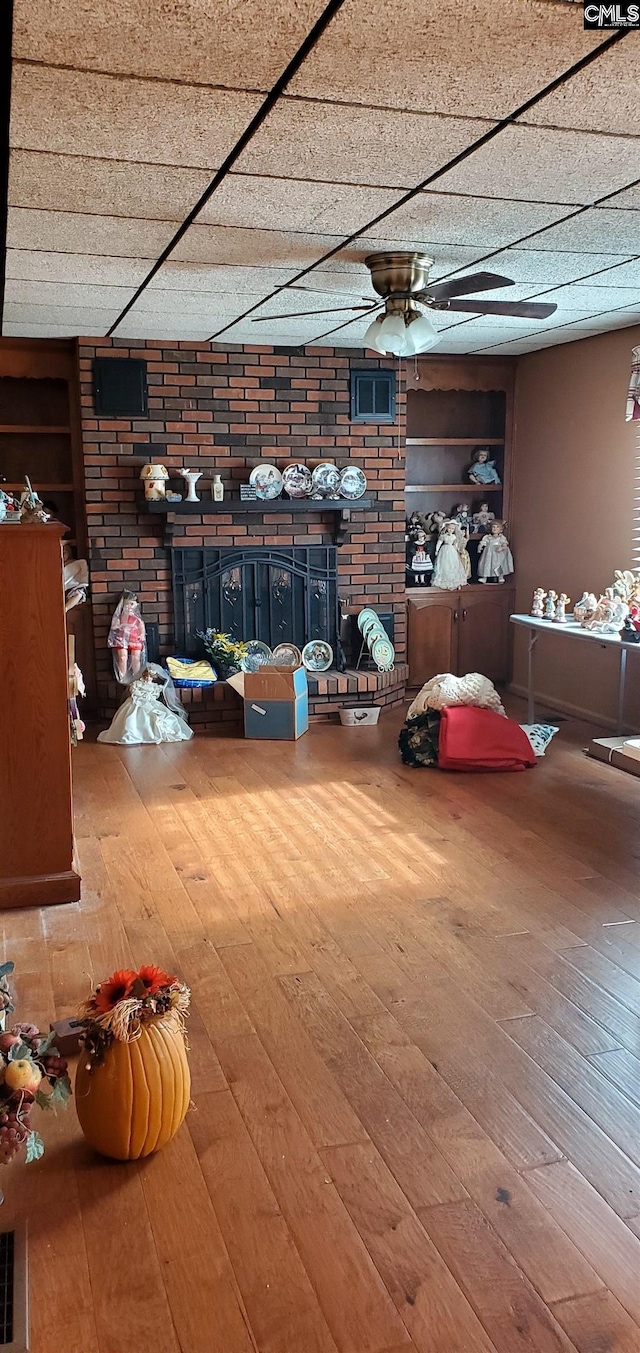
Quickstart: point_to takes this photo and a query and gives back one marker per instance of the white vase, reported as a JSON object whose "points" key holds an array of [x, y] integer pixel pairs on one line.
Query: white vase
{"points": [[191, 478]]}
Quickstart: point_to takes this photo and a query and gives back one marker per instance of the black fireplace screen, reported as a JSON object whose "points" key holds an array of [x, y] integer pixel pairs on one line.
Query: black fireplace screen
{"points": [[255, 593]]}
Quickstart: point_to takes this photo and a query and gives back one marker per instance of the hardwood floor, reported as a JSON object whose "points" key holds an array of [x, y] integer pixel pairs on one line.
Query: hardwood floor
{"points": [[415, 1046]]}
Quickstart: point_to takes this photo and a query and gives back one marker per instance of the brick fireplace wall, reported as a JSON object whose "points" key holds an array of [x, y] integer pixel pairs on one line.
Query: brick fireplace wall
{"points": [[223, 409]]}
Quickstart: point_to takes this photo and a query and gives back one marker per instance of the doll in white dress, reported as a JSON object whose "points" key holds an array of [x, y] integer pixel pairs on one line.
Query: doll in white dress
{"points": [[495, 560], [150, 713], [452, 560]]}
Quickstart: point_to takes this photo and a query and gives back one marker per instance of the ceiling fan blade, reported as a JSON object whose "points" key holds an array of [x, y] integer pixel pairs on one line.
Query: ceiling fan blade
{"points": [[525, 309], [465, 286], [299, 314]]}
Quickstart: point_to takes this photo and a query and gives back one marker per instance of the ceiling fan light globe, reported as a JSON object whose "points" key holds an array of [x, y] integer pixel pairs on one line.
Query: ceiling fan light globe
{"points": [[422, 334], [372, 336]]}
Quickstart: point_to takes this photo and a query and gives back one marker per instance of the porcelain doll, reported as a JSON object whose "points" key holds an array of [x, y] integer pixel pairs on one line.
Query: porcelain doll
{"points": [[127, 639], [482, 518], [143, 717], [482, 470], [495, 560], [421, 564], [462, 515], [452, 559], [561, 609], [537, 604]]}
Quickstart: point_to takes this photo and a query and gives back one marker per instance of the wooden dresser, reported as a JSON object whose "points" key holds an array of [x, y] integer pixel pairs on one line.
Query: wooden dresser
{"points": [[36, 816]]}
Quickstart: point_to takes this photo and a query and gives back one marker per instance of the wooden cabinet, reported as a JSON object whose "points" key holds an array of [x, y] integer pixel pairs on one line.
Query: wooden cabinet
{"points": [[36, 819], [459, 632]]}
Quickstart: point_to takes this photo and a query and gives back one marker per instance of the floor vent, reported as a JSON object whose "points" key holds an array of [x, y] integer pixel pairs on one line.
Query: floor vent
{"points": [[13, 1292]]}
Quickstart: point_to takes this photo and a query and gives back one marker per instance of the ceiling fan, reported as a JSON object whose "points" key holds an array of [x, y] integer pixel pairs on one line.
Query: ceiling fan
{"points": [[401, 280]]}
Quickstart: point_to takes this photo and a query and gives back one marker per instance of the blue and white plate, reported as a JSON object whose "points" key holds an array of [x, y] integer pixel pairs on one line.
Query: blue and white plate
{"points": [[317, 656], [353, 482], [259, 650], [326, 480]]}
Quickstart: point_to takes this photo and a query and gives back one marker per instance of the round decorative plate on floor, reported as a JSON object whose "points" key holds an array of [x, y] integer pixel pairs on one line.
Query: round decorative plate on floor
{"points": [[317, 656], [326, 480], [257, 649], [353, 482], [383, 652], [267, 481], [286, 655], [297, 481]]}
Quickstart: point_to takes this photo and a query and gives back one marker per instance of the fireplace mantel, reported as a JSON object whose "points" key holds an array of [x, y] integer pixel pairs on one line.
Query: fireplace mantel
{"points": [[340, 509]]}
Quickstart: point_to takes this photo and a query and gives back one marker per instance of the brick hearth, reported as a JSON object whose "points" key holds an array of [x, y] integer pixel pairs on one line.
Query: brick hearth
{"points": [[222, 409]]}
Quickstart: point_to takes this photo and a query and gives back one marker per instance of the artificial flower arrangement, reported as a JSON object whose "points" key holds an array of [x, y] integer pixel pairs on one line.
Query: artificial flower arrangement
{"points": [[120, 1007], [226, 654], [32, 1073]]}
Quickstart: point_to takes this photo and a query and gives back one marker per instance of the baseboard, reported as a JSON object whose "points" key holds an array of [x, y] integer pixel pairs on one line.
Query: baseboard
{"points": [[572, 711], [42, 890]]}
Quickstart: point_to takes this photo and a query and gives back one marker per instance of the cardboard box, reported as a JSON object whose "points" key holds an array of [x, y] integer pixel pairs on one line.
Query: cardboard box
{"points": [[276, 703], [611, 751]]}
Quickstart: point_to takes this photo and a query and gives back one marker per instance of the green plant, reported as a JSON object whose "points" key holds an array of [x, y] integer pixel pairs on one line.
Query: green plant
{"points": [[226, 654]]}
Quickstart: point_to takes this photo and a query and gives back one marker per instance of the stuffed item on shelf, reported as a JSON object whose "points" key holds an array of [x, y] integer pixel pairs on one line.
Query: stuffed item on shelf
{"points": [[421, 564], [143, 717], [462, 515], [482, 469], [537, 603], [452, 564], [128, 639], [482, 517], [495, 560]]}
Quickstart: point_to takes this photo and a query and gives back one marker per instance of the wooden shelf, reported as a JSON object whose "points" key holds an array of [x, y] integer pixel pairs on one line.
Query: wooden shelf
{"points": [[478, 489], [206, 507], [455, 441], [39, 488], [31, 428]]}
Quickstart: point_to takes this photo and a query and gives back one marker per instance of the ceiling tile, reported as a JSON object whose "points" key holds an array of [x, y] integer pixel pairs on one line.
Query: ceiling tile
{"points": [[213, 42], [27, 329], [597, 231], [619, 275], [266, 203], [468, 220], [89, 269], [77, 319], [157, 326], [477, 59], [630, 197], [537, 164], [192, 304], [446, 257], [101, 187], [64, 232], [227, 246], [604, 97], [75, 113], [546, 267], [592, 298], [343, 144], [55, 294]]}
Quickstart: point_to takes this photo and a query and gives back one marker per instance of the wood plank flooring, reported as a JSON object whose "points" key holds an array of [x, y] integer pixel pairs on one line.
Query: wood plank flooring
{"points": [[415, 1046]]}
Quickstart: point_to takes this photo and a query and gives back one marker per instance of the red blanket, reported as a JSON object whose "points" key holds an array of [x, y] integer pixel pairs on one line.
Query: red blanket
{"points": [[478, 739]]}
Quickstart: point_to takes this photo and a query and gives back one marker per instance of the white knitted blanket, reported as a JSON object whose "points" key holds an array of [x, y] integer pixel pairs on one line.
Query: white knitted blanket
{"points": [[445, 689]]}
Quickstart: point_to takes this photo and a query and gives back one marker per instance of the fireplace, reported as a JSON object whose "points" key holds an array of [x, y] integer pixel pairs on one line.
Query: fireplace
{"points": [[255, 592]]}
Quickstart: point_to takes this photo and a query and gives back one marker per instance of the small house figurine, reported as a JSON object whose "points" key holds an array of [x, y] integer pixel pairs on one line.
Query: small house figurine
{"points": [[549, 612], [537, 604], [561, 608]]}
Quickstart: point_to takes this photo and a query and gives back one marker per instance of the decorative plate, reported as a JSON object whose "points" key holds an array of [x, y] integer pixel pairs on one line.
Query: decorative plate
{"points": [[297, 481], [250, 663], [257, 649], [286, 655], [383, 652], [353, 482], [317, 656], [364, 615], [326, 479], [267, 481]]}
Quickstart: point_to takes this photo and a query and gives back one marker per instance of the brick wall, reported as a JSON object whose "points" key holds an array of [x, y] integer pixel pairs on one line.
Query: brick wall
{"points": [[223, 409]]}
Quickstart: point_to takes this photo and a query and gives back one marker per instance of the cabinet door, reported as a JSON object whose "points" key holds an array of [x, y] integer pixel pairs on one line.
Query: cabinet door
{"points": [[483, 632], [432, 635]]}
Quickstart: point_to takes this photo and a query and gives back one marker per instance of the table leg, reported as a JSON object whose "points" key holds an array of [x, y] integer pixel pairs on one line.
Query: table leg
{"points": [[531, 711], [621, 686]]}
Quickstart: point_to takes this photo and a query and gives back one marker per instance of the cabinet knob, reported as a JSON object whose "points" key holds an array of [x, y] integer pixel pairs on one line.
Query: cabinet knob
{"points": [[464, 615], [455, 616]]}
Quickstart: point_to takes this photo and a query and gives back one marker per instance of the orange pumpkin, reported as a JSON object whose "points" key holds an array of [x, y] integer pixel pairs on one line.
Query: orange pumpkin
{"points": [[133, 1102]]}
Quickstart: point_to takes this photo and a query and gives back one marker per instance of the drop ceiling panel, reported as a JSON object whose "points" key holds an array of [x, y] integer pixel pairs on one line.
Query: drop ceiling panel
{"points": [[477, 59], [537, 164], [468, 220], [447, 258], [143, 326], [76, 113], [195, 277], [343, 144], [603, 97], [78, 319], [64, 232], [597, 231], [192, 303], [213, 42], [102, 187], [620, 275], [592, 298], [224, 245], [265, 203], [23, 329], [547, 268], [87, 269], [75, 294], [630, 197]]}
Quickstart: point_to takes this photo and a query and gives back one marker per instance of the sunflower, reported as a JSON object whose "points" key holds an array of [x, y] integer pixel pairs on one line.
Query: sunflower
{"points": [[115, 989], [154, 978]]}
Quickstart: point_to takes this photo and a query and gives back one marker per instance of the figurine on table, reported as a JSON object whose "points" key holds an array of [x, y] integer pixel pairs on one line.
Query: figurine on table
{"points": [[561, 609], [127, 639], [585, 608], [482, 469], [482, 518], [631, 628], [462, 515], [610, 614], [550, 605], [452, 564], [31, 506], [495, 560], [537, 605], [421, 564]]}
